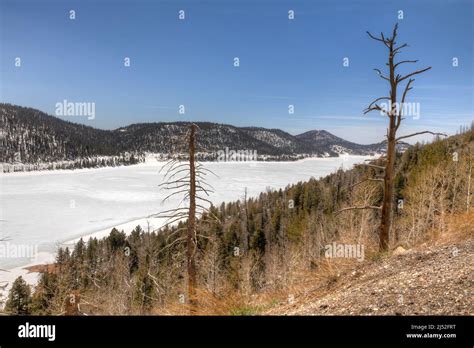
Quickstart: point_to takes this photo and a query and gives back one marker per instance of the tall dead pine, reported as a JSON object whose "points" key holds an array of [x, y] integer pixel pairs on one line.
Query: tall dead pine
{"points": [[191, 236], [187, 178], [394, 113]]}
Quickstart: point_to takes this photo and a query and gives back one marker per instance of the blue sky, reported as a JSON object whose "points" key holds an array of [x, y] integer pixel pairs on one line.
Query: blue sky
{"points": [[282, 62]]}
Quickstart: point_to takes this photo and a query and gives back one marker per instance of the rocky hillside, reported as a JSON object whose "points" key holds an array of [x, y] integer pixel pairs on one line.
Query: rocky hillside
{"points": [[31, 136], [430, 279]]}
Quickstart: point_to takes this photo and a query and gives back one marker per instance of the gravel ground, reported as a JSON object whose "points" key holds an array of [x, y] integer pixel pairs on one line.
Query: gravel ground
{"points": [[434, 281]]}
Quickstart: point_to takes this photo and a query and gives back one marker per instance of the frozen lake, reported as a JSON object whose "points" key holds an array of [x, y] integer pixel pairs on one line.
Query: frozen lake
{"points": [[46, 209]]}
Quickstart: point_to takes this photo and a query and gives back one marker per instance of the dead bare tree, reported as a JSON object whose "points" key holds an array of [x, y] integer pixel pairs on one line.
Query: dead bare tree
{"points": [[395, 116], [187, 178]]}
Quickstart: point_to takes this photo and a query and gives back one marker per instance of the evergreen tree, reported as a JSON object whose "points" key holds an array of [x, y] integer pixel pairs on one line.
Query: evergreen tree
{"points": [[19, 298], [116, 240], [145, 288], [44, 294]]}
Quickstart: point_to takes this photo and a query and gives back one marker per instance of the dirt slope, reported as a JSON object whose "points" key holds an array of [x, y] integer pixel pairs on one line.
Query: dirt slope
{"points": [[431, 280]]}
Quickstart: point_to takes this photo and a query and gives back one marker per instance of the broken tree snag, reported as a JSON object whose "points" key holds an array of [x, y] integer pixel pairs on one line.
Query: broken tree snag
{"points": [[72, 303], [394, 113]]}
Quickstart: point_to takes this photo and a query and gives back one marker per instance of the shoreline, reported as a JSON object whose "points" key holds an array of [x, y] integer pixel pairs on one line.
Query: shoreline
{"points": [[152, 159]]}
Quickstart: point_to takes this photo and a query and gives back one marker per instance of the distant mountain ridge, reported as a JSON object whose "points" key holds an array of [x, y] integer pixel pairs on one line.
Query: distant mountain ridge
{"points": [[30, 136]]}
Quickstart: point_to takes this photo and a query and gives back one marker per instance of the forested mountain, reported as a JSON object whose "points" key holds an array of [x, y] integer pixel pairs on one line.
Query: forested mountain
{"points": [[264, 246], [31, 136], [321, 139]]}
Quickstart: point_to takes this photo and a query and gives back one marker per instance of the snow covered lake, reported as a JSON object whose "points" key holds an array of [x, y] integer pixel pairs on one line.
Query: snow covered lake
{"points": [[43, 210]]}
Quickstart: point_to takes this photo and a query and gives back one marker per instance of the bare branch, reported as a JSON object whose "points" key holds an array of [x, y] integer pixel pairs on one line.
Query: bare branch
{"points": [[370, 165], [177, 186], [382, 157], [166, 212], [405, 61], [418, 133], [413, 73], [376, 100], [359, 208], [174, 193], [394, 33], [172, 215], [201, 169], [177, 172], [202, 182], [376, 108], [396, 50], [407, 88], [382, 39], [171, 222], [381, 75], [203, 199], [202, 189]]}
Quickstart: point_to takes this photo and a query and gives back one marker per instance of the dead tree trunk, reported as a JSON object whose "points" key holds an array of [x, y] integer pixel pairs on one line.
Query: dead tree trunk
{"points": [[385, 223], [394, 114], [188, 178], [191, 236], [245, 224]]}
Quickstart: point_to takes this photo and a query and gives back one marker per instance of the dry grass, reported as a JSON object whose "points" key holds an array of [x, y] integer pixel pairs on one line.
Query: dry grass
{"points": [[229, 303], [309, 285], [459, 227]]}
